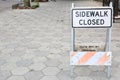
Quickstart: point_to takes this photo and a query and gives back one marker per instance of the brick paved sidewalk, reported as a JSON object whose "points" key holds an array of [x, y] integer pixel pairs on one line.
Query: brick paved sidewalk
{"points": [[35, 44]]}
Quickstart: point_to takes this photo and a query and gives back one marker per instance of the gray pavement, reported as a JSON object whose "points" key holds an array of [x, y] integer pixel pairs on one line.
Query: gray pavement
{"points": [[35, 44], [7, 4]]}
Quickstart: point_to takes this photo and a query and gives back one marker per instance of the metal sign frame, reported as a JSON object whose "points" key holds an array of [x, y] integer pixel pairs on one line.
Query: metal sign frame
{"points": [[108, 45]]}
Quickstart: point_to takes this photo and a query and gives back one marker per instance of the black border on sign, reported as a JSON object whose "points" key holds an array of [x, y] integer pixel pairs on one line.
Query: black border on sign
{"points": [[92, 9]]}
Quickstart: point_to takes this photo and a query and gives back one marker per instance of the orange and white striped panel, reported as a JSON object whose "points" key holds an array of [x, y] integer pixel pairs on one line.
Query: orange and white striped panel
{"points": [[90, 58]]}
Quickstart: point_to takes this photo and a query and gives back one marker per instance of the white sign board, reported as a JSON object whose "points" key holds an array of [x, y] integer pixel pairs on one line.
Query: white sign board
{"points": [[92, 17]]}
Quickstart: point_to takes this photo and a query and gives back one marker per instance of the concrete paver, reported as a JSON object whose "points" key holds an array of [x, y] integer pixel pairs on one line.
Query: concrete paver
{"points": [[39, 59], [35, 44], [49, 78], [20, 71], [82, 71], [24, 63], [51, 71], [52, 63], [83, 78], [64, 74], [34, 75], [4, 74], [2, 61], [37, 66], [8, 66], [16, 78]]}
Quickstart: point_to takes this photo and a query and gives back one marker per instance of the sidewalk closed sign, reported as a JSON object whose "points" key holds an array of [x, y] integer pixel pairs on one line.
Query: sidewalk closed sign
{"points": [[92, 17]]}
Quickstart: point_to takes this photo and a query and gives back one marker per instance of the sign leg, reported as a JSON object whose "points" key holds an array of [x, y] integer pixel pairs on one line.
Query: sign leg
{"points": [[107, 40], [108, 48], [108, 72], [72, 48], [72, 72]]}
